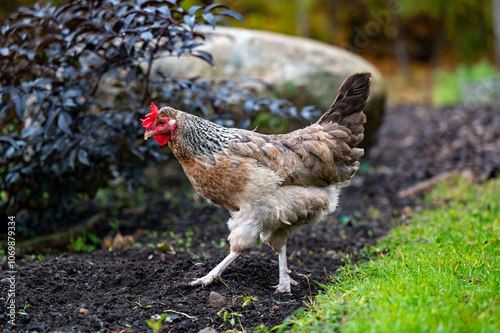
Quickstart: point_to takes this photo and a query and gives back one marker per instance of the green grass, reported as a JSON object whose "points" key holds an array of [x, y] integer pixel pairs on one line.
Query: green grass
{"points": [[440, 273]]}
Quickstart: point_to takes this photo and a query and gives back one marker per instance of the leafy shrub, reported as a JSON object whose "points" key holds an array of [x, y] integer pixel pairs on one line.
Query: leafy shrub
{"points": [[74, 82]]}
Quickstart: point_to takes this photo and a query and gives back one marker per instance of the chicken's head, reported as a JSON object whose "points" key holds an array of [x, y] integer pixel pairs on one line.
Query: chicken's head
{"points": [[159, 126]]}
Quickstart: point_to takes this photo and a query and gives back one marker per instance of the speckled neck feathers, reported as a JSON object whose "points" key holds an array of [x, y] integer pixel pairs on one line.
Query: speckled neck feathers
{"points": [[200, 136]]}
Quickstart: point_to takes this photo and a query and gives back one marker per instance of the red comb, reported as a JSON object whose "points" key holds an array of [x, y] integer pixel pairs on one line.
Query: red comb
{"points": [[150, 118]]}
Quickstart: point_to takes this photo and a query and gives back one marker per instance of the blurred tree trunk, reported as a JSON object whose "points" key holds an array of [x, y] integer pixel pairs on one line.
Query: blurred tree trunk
{"points": [[333, 24], [437, 49], [302, 17], [400, 47], [496, 29]]}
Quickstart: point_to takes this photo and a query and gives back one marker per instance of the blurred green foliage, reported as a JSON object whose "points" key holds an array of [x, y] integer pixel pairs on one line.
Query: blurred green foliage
{"points": [[461, 29], [448, 87]]}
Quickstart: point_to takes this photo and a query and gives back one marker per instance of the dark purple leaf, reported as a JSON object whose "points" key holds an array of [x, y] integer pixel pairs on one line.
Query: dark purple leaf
{"points": [[42, 82], [137, 153], [71, 159], [72, 93], [165, 11], [192, 11], [307, 112], [214, 5], [245, 123], [82, 157], [203, 55], [152, 3], [20, 103], [11, 141], [147, 36], [63, 8], [130, 42], [210, 19], [190, 20], [3, 105], [130, 76], [52, 115], [64, 122], [47, 41], [69, 103], [128, 19], [249, 105], [11, 178], [232, 14]]}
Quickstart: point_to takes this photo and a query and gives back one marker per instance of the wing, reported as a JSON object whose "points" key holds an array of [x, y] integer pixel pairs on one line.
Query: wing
{"points": [[266, 151], [325, 153], [317, 155]]}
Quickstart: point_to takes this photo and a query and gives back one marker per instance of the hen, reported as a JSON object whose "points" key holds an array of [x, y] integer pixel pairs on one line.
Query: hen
{"points": [[271, 184]]}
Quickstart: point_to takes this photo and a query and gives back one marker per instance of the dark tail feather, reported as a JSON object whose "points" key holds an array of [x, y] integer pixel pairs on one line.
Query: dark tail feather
{"points": [[347, 109]]}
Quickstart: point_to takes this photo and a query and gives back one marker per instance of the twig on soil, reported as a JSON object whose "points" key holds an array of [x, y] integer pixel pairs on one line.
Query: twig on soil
{"points": [[181, 313], [285, 302], [60, 238], [428, 184]]}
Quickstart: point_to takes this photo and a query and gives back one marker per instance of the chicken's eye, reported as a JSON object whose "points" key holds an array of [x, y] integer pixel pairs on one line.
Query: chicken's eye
{"points": [[162, 122]]}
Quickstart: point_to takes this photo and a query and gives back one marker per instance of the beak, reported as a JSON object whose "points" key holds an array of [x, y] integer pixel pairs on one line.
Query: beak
{"points": [[148, 134]]}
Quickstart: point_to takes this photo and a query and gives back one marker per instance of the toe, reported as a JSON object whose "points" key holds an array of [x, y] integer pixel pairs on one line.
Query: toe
{"points": [[204, 281], [196, 282], [283, 288]]}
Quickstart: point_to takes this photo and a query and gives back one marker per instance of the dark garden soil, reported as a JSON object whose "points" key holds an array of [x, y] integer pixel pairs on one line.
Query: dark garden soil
{"points": [[119, 290]]}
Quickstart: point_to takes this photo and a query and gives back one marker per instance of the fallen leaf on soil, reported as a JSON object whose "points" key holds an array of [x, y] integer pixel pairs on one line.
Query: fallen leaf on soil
{"points": [[118, 242]]}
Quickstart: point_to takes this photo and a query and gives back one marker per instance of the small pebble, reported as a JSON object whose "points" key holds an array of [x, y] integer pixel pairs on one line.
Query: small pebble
{"points": [[216, 300], [155, 317], [172, 318], [207, 330]]}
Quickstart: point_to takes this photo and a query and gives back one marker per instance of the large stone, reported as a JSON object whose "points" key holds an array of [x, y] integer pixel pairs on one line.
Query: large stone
{"points": [[305, 71]]}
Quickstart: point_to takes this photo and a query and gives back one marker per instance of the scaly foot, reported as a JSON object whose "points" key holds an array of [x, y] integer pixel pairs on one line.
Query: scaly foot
{"points": [[204, 281], [284, 285], [217, 271]]}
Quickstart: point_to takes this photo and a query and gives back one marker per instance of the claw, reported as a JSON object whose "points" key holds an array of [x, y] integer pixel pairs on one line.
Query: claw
{"points": [[203, 281], [216, 272], [284, 285]]}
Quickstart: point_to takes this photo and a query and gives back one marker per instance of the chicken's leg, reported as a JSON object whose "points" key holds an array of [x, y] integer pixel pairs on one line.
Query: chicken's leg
{"points": [[217, 271], [285, 279]]}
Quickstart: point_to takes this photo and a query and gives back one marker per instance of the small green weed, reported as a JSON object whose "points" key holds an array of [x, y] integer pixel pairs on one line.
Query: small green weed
{"points": [[23, 311], [141, 305], [156, 324], [80, 243], [247, 300], [230, 316]]}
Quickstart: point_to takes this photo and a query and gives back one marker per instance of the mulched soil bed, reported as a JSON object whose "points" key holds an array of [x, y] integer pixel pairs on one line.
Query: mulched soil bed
{"points": [[104, 291]]}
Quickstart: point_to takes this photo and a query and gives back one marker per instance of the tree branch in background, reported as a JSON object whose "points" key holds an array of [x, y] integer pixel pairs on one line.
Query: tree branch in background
{"points": [[496, 29], [400, 47]]}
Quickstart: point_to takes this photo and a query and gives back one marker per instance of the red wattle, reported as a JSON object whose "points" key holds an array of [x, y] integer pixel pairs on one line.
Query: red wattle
{"points": [[162, 139]]}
